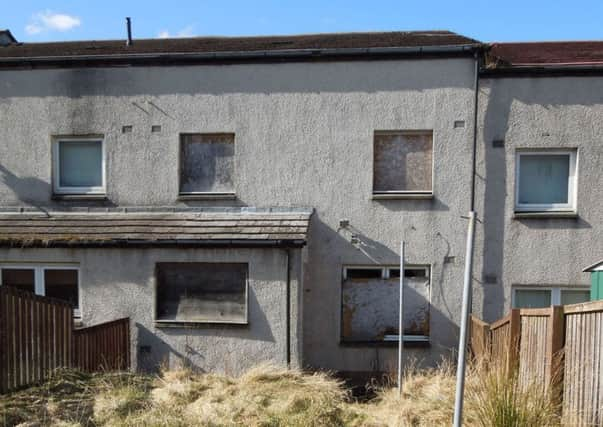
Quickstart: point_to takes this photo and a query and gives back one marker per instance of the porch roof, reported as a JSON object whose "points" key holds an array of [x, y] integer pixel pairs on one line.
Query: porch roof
{"points": [[243, 227]]}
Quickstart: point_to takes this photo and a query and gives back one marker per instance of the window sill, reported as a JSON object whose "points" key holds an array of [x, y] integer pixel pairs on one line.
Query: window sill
{"points": [[545, 214], [418, 342], [67, 197], [197, 324], [402, 195], [207, 196]]}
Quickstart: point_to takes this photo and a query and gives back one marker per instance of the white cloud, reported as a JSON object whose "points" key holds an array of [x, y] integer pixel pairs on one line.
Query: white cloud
{"points": [[50, 21], [187, 31]]}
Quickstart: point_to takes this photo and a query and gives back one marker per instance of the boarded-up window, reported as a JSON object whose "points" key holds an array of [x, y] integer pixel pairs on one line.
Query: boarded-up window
{"points": [[202, 292], [403, 162], [207, 163], [370, 306]]}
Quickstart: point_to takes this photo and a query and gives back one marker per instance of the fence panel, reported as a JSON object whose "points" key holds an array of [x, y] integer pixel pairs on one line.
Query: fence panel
{"points": [[27, 321], [105, 346], [533, 347], [583, 373]]}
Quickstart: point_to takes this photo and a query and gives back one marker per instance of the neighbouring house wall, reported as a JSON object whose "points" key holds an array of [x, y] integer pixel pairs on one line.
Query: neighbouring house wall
{"points": [[117, 283], [303, 137], [543, 112]]}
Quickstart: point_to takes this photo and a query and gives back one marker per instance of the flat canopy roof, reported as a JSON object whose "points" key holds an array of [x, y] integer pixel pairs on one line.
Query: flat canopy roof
{"points": [[240, 228]]}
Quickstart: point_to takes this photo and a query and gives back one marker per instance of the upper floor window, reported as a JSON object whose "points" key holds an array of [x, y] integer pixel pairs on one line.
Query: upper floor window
{"points": [[56, 281], [403, 162], [79, 166], [207, 164], [545, 180]]}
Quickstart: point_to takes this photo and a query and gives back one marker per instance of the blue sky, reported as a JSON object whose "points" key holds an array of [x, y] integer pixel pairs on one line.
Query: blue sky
{"points": [[501, 20]]}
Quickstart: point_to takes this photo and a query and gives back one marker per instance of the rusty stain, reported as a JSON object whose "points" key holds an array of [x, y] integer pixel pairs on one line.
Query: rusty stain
{"points": [[347, 316]]}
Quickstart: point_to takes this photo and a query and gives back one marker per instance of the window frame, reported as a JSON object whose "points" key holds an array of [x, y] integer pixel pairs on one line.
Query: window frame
{"points": [[385, 275], [572, 182], [56, 172], [385, 194], [555, 292], [206, 194], [39, 279], [177, 322]]}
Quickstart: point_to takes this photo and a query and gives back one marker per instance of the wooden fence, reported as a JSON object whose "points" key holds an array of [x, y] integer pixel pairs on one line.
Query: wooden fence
{"points": [[558, 349], [103, 347], [37, 337]]}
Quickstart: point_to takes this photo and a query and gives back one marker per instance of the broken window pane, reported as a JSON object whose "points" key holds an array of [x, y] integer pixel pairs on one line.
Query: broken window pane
{"points": [[370, 307], [202, 292], [22, 278], [207, 163], [363, 273], [402, 162], [63, 285]]}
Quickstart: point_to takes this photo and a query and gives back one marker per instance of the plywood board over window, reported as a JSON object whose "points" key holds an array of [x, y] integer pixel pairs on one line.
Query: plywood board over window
{"points": [[403, 162], [207, 163], [370, 303]]}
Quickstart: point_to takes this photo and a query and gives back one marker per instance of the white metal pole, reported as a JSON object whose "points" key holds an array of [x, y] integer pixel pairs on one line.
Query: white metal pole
{"points": [[401, 320], [460, 370]]}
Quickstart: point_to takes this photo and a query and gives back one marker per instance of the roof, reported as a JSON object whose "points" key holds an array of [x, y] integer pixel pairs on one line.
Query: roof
{"points": [[288, 45], [594, 267], [240, 227], [546, 54]]}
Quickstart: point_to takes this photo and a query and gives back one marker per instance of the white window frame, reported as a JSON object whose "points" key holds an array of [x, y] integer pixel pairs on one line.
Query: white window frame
{"points": [[555, 292], [39, 285], [572, 182], [57, 188], [401, 193]]}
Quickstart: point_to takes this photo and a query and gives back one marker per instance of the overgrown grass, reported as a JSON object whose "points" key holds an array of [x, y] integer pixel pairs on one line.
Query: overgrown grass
{"points": [[273, 396]]}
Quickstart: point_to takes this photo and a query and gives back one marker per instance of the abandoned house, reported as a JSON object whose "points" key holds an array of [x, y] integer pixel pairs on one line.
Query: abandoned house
{"points": [[244, 199]]}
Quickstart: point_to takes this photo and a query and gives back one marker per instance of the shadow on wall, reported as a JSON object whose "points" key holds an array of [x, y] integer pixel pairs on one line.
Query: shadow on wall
{"points": [[332, 308], [26, 189], [201, 346]]}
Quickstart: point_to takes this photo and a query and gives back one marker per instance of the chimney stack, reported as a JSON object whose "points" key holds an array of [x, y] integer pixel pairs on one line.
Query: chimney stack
{"points": [[129, 28]]}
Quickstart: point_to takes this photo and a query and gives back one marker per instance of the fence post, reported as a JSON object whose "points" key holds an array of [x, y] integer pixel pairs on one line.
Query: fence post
{"points": [[3, 356], [514, 338], [554, 354]]}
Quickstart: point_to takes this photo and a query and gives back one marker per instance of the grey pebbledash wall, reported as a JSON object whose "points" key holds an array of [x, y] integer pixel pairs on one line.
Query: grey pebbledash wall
{"points": [[542, 113], [117, 283], [304, 137]]}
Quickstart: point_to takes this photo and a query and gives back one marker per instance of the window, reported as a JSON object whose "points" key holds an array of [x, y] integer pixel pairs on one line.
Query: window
{"points": [[202, 292], [545, 181], [78, 166], [207, 164], [403, 162], [61, 282], [541, 297], [370, 303]]}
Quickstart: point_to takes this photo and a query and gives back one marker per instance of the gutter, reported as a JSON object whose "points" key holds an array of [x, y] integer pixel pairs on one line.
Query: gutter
{"points": [[543, 71], [202, 57], [180, 243]]}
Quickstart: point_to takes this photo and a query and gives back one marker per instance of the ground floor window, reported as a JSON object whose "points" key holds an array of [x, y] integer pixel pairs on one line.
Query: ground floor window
{"points": [[370, 303], [202, 292], [61, 282], [540, 297]]}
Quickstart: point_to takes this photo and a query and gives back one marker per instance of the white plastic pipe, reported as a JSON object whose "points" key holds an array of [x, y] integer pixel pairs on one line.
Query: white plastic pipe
{"points": [[460, 369], [401, 320]]}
